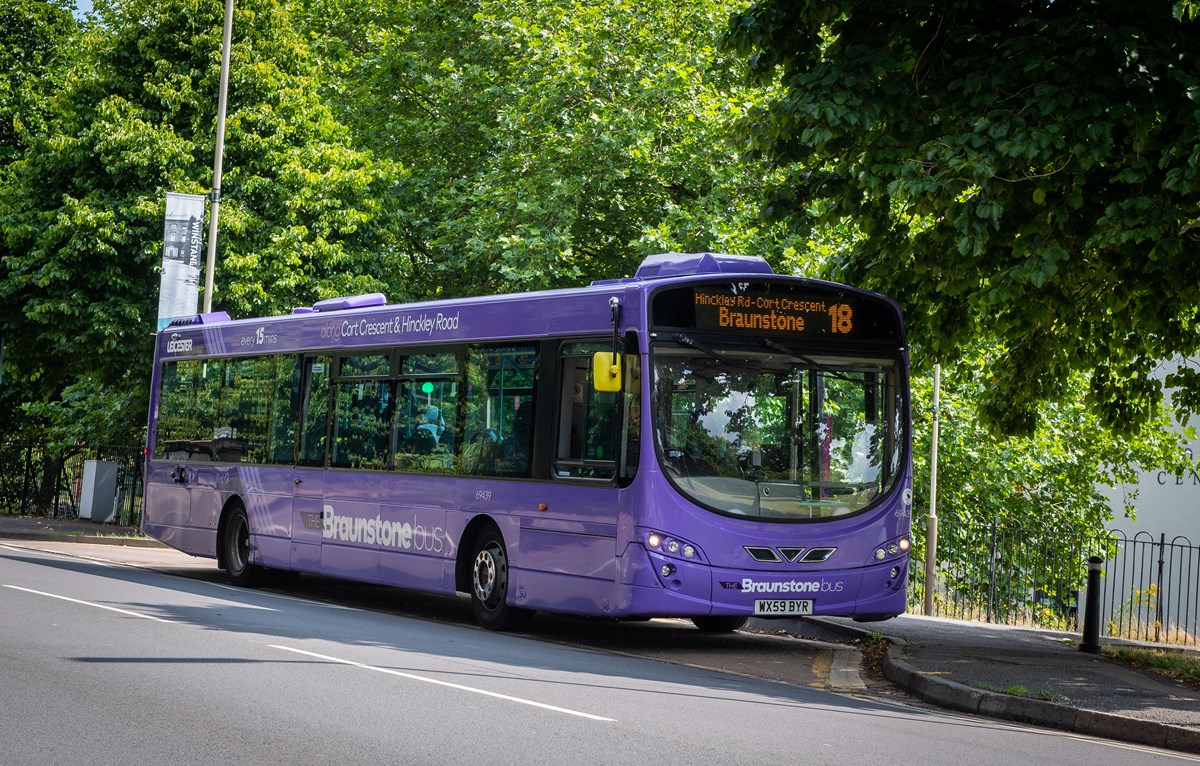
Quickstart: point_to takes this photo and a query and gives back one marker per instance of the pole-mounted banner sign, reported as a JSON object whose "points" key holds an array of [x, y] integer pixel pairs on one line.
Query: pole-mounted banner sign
{"points": [[183, 241]]}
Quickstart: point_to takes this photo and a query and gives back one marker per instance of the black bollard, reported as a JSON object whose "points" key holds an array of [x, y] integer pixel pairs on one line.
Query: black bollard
{"points": [[1091, 617]]}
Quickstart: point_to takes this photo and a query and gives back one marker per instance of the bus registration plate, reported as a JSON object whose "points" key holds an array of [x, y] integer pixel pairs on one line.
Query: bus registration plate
{"points": [[783, 606]]}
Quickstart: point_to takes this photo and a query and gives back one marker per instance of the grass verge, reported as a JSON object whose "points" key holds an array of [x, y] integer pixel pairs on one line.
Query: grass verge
{"points": [[1183, 667]]}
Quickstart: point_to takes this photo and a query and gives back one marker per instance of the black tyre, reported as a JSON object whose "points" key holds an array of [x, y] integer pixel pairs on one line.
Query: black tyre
{"points": [[489, 585], [236, 541], [719, 624]]}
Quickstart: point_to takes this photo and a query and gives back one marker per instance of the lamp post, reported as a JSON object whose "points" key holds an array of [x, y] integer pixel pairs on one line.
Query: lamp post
{"points": [[931, 525], [210, 263]]}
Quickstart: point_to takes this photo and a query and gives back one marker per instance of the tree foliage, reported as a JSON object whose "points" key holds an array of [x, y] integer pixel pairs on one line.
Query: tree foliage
{"points": [[1056, 474], [81, 209], [34, 55], [436, 148], [547, 143], [1018, 171]]}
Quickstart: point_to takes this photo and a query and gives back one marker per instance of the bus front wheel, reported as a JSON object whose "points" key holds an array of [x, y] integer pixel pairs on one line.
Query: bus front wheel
{"points": [[237, 548], [489, 585]]}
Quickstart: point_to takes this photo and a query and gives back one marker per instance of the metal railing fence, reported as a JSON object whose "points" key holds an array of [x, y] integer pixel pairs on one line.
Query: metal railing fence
{"points": [[1013, 575], [35, 482]]}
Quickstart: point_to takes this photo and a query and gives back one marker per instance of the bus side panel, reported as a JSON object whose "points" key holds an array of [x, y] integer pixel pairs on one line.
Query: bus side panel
{"points": [[350, 550], [206, 501], [363, 536], [419, 551], [566, 556], [167, 505], [581, 549], [563, 593], [267, 494], [308, 514]]}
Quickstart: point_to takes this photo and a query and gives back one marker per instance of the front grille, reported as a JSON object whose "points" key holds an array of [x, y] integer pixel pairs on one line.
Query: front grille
{"points": [[817, 555], [791, 554], [763, 554]]}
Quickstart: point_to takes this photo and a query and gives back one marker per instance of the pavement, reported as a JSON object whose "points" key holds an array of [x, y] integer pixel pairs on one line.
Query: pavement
{"points": [[1019, 674]]}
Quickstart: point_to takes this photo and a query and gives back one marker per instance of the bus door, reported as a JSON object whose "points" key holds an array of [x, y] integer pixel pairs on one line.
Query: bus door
{"points": [[308, 504], [188, 396]]}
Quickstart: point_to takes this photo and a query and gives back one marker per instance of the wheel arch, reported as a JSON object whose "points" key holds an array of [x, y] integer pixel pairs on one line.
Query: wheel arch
{"points": [[231, 503]]}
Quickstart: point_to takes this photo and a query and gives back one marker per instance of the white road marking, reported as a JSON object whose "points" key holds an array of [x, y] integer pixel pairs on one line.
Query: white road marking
{"points": [[447, 684], [89, 603]]}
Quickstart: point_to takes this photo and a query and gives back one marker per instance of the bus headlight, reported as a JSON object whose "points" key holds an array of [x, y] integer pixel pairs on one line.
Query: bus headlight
{"points": [[668, 545], [892, 548]]}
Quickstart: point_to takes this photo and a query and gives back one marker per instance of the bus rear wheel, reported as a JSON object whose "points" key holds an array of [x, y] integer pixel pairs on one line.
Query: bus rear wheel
{"points": [[489, 585], [719, 624], [236, 541]]}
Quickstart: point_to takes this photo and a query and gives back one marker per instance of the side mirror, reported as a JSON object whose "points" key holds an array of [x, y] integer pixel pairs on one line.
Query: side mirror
{"points": [[606, 371]]}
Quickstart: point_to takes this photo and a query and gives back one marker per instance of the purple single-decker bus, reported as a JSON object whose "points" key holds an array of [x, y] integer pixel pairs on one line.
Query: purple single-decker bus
{"points": [[706, 440]]}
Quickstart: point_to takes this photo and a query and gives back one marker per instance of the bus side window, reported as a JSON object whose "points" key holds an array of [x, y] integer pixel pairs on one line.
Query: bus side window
{"points": [[316, 410], [425, 425], [182, 433], [362, 414], [426, 421], [498, 411], [588, 419], [360, 431], [245, 416], [285, 410], [631, 429]]}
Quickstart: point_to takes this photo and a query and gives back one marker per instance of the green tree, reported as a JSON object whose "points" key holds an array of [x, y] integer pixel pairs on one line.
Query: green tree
{"points": [[548, 142], [1021, 171], [34, 57], [1046, 488], [305, 215]]}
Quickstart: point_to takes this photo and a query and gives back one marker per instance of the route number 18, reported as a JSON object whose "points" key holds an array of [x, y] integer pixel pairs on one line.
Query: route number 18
{"points": [[841, 318]]}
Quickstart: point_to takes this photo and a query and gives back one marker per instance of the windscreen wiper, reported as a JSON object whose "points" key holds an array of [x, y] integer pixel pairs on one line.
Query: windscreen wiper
{"points": [[829, 371], [687, 340]]}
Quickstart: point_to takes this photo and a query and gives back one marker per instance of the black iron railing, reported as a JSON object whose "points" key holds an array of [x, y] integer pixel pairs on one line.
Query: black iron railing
{"points": [[1018, 576]]}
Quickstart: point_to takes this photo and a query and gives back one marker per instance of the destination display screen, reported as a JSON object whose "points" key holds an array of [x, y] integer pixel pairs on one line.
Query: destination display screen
{"points": [[777, 308]]}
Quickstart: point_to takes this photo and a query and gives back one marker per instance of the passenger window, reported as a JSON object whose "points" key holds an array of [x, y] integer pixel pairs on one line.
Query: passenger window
{"points": [[360, 425], [499, 411], [285, 408], [185, 426], [316, 410], [426, 424], [588, 422]]}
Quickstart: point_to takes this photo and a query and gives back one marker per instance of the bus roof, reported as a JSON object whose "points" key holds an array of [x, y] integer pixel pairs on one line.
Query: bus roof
{"points": [[368, 320]]}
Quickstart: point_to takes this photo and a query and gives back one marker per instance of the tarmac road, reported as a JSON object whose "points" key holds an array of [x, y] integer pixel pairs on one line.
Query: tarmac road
{"points": [[957, 665]]}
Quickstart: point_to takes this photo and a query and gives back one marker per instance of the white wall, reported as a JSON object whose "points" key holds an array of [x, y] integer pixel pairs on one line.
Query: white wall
{"points": [[1165, 503]]}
